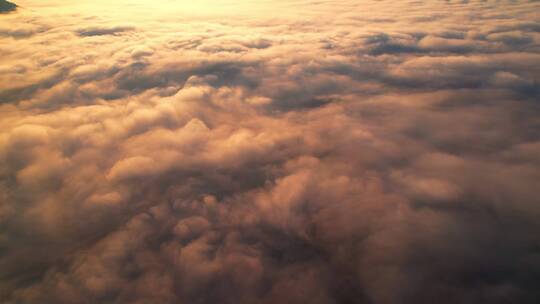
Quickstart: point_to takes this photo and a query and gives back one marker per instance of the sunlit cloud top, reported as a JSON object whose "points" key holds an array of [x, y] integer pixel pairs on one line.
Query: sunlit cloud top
{"points": [[318, 152]]}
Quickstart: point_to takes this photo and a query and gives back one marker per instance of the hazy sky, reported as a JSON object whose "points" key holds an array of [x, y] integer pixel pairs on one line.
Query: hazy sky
{"points": [[244, 152]]}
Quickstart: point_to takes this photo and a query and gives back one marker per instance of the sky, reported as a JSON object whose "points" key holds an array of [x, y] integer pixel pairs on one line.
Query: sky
{"points": [[270, 151]]}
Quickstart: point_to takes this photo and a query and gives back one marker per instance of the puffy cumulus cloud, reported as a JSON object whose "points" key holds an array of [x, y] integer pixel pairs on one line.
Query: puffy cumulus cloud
{"points": [[330, 152]]}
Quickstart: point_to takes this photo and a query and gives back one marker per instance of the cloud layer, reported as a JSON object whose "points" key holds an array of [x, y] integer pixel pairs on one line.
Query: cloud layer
{"points": [[270, 152]]}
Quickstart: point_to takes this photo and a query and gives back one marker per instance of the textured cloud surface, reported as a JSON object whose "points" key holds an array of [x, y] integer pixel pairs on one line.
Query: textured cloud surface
{"points": [[270, 152], [6, 6]]}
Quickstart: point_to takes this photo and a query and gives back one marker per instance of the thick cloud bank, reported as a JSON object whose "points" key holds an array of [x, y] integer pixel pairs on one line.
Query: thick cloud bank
{"points": [[383, 152]]}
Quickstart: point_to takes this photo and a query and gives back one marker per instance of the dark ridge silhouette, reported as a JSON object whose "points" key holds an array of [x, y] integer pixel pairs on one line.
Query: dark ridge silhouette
{"points": [[6, 6]]}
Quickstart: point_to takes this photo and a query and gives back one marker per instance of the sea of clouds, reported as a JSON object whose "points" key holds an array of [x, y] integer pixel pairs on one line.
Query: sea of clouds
{"points": [[383, 152]]}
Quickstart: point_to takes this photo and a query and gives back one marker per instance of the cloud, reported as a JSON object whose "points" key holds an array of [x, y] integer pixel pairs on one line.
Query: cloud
{"points": [[329, 153], [6, 6], [101, 31]]}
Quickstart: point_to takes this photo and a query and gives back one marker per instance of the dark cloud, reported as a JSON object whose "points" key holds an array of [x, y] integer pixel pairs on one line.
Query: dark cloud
{"points": [[383, 44], [101, 31], [321, 155], [6, 6]]}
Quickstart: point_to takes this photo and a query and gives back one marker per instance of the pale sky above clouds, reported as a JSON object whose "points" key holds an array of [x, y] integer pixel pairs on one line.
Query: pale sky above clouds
{"points": [[270, 152]]}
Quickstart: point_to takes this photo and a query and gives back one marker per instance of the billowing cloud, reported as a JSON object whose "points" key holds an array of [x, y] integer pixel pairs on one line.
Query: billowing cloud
{"points": [[270, 152]]}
